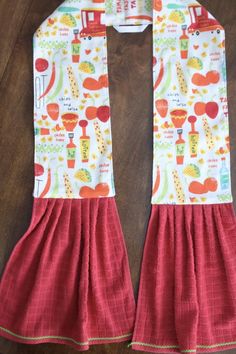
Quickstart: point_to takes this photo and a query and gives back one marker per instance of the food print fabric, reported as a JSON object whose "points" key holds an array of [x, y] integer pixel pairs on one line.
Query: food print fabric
{"points": [[73, 139], [191, 135], [73, 151]]}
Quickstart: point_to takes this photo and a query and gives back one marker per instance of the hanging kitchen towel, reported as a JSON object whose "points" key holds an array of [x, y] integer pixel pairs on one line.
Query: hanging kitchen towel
{"points": [[187, 295], [68, 280], [70, 270]]}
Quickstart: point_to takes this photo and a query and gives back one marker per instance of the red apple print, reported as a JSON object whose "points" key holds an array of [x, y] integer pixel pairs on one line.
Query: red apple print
{"points": [[213, 76], [200, 108], [196, 47], [103, 113], [154, 61], [212, 109], [88, 51], [91, 112], [41, 65], [38, 170]]}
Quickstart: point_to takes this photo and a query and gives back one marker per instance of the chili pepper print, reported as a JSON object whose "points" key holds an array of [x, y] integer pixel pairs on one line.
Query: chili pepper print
{"points": [[157, 181], [48, 184], [59, 84], [52, 79], [167, 82], [163, 192], [160, 75], [55, 189]]}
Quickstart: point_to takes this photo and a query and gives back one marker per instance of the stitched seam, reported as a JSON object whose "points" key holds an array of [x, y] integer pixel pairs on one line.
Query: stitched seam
{"points": [[183, 351], [64, 338]]}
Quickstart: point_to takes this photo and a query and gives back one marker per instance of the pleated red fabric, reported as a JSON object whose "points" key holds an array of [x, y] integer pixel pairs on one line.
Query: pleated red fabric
{"points": [[67, 280], [187, 295]]}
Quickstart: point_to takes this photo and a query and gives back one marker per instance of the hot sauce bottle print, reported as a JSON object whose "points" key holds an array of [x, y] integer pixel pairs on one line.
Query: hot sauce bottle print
{"points": [[193, 137], [71, 152], [180, 148], [76, 44], [70, 121], [84, 142], [184, 43]]}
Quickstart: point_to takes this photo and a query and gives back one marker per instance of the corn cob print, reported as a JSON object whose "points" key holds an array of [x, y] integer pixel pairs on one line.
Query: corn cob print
{"points": [[181, 79], [73, 83], [68, 187], [99, 137], [178, 187], [209, 136]]}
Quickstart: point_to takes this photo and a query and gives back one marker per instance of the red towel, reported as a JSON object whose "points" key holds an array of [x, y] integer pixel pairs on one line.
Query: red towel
{"points": [[67, 280], [187, 296]]}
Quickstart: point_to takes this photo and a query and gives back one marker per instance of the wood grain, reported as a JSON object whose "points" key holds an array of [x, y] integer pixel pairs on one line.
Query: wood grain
{"points": [[130, 69]]}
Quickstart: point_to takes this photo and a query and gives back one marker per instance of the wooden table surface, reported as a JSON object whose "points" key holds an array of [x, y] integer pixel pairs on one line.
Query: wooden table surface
{"points": [[130, 68]]}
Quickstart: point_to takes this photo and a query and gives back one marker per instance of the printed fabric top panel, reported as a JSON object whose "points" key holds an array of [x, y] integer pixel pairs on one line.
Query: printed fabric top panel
{"points": [[191, 134], [72, 116], [73, 143]]}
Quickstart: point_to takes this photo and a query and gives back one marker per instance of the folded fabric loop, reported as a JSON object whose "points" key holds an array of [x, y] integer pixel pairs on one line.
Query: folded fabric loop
{"points": [[130, 28]]}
